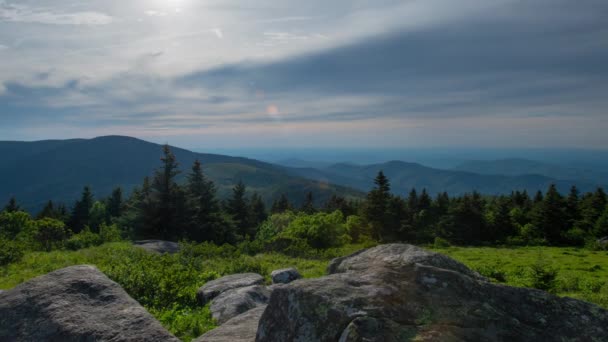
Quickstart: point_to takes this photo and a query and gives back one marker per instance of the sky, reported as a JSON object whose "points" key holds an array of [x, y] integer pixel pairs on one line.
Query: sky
{"points": [[211, 74]]}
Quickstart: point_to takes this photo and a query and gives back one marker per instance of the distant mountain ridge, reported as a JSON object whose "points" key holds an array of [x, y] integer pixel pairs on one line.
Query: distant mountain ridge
{"points": [[404, 176], [57, 170], [519, 167]]}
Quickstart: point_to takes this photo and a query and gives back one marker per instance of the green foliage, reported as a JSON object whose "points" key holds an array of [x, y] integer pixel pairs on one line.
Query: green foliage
{"points": [[358, 229], [84, 239], [320, 230], [542, 274], [50, 234], [441, 243], [12, 223], [10, 251]]}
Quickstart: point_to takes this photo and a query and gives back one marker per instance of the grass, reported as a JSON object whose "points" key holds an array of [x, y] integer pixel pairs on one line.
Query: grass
{"points": [[166, 284], [578, 273]]}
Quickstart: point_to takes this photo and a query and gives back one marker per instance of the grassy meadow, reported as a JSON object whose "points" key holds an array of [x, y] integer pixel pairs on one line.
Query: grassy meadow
{"points": [[166, 284]]}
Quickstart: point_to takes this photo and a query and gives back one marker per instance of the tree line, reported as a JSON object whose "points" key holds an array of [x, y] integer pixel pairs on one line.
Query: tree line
{"points": [[162, 208]]}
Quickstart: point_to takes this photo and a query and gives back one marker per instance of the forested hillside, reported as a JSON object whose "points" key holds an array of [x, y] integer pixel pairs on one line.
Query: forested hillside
{"points": [[35, 172]]}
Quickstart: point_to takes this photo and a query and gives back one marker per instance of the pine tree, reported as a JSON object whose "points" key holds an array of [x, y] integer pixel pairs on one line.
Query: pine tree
{"points": [[339, 203], [257, 210], [538, 198], [572, 207], [12, 206], [412, 201], [425, 201], [600, 230], [551, 219], [376, 210], [166, 198], [115, 203], [281, 205], [203, 205], [48, 211], [81, 211], [309, 207], [238, 209]]}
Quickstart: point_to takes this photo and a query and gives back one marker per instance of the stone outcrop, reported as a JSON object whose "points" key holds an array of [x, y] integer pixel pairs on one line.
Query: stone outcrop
{"points": [[242, 328], [237, 301], [285, 276], [401, 292], [158, 246], [77, 303], [216, 287]]}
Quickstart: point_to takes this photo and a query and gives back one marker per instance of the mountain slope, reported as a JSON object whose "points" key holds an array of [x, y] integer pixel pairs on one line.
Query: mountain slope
{"points": [[35, 172], [518, 167], [405, 176]]}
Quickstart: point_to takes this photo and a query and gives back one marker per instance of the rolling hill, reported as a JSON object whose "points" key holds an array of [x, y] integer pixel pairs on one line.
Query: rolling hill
{"points": [[405, 176], [519, 167], [35, 172]]}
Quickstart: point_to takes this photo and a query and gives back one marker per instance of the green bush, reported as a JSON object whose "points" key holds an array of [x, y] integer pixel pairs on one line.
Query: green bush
{"points": [[85, 239], [109, 233], [50, 234], [358, 229], [10, 251], [320, 230], [11, 224], [441, 243], [543, 275]]}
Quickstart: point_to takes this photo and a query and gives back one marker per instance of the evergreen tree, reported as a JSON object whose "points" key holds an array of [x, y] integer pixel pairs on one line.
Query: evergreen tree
{"points": [[538, 198], [500, 224], [48, 211], [238, 210], [339, 203], [572, 207], [601, 226], [81, 211], [168, 220], [309, 207], [550, 216], [376, 210], [412, 202], [425, 201], [206, 219], [281, 205], [257, 210], [115, 203], [12, 206]]}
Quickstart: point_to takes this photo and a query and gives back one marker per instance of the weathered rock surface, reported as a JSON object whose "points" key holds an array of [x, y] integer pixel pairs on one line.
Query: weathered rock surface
{"points": [[158, 246], [241, 328], [216, 287], [603, 242], [285, 276], [401, 292], [237, 301], [77, 303]]}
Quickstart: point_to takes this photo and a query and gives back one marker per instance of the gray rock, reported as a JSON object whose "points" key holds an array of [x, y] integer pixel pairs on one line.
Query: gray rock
{"points": [[603, 242], [234, 302], [77, 303], [216, 287], [406, 293], [158, 246], [241, 328], [285, 276]]}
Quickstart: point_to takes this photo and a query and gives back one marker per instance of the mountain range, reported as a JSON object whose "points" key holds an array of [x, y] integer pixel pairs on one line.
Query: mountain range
{"points": [[35, 172]]}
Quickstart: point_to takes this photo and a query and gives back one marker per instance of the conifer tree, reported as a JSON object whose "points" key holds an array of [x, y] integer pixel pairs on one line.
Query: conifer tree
{"points": [[550, 217], [572, 207], [167, 197], [257, 210], [81, 211], [281, 205], [12, 206], [115, 203], [238, 209], [376, 210], [309, 207], [206, 220]]}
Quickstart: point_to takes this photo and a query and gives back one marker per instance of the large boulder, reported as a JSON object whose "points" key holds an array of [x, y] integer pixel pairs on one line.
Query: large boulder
{"points": [[77, 303], [236, 301], [158, 246], [216, 287], [401, 292], [242, 328], [285, 276], [603, 242]]}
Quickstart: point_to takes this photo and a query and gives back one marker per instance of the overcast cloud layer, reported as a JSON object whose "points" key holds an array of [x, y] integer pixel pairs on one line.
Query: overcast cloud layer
{"points": [[340, 73]]}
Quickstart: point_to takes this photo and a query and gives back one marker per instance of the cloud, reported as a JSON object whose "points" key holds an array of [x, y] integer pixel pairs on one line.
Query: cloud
{"points": [[24, 14], [218, 32]]}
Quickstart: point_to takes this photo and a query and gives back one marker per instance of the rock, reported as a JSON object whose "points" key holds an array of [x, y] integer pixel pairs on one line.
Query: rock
{"points": [[215, 287], [401, 293], [77, 303], [158, 246], [603, 242], [241, 328], [285, 276], [234, 302]]}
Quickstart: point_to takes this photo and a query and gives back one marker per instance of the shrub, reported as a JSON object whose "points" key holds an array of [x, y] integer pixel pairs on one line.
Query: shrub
{"points": [[50, 233], [274, 225], [10, 251], [358, 229], [542, 275], [11, 224], [320, 230], [493, 271], [85, 239], [109, 233], [576, 236], [441, 243]]}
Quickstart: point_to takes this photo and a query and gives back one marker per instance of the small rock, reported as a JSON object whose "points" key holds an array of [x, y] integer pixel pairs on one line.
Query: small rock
{"points": [[77, 303], [237, 301], [242, 328], [158, 246], [216, 287], [285, 276]]}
